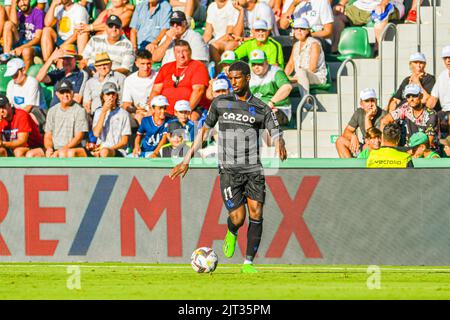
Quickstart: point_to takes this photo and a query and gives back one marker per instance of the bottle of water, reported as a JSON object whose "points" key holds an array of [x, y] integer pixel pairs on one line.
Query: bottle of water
{"points": [[212, 69]]}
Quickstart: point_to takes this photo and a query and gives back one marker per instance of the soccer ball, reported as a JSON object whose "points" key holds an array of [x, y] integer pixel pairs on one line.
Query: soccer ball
{"points": [[204, 260]]}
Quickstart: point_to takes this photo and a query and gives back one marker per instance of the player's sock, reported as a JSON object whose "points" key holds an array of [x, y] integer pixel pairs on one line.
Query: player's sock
{"points": [[233, 229], [254, 233]]}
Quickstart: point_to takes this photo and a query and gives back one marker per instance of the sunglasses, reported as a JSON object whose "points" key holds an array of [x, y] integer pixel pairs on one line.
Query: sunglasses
{"points": [[412, 96], [172, 24], [111, 26]]}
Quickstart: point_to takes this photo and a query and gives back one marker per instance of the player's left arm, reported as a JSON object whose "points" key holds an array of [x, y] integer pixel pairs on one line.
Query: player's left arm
{"points": [[271, 124]]}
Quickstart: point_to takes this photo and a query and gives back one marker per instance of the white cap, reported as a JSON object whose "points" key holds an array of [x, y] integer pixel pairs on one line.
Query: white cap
{"points": [[412, 88], [446, 51], [367, 93], [260, 24], [228, 57], [418, 56], [301, 23], [13, 66], [220, 84], [160, 101], [257, 56], [182, 105]]}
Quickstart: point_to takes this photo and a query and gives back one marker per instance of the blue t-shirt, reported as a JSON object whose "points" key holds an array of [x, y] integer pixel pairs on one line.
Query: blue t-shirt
{"points": [[152, 132], [174, 124]]}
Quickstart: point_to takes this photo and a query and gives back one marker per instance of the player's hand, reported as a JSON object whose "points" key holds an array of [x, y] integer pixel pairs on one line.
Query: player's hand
{"points": [[237, 6], [179, 169], [354, 144], [49, 152], [153, 155], [151, 47], [281, 149]]}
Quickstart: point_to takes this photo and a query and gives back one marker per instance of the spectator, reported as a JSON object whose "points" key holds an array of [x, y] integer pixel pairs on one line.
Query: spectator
{"points": [[180, 124], [23, 91], [220, 87], [307, 59], [388, 156], [270, 84], [183, 79], [367, 116], [3, 19], [151, 129], [262, 41], [93, 90], [359, 13], [66, 57], [66, 126], [220, 21], [419, 76], [441, 93], [22, 32], [67, 16], [176, 148], [119, 8], [318, 13], [227, 58], [194, 10], [420, 146], [111, 124], [118, 47], [18, 132], [137, 86], [251, 11], [413, 116], [149, 24], [179, 30], [372, 141]]}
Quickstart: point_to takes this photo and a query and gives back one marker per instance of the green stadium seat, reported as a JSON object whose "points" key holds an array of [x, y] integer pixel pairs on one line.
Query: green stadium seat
{"points": [[156, 66], [354, 43], [34, 69], [321, 88], [3, 80], [48, 93]]}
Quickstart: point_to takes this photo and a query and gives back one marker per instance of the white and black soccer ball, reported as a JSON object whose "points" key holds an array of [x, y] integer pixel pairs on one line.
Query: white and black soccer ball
{"points": [[204, 260]]}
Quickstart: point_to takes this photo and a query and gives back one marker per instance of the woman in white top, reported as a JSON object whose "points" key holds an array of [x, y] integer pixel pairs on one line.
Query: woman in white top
{"points": [[307, 59]]}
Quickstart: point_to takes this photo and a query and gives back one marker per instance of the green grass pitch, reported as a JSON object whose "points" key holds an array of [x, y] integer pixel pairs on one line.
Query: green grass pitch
{"points": [[141, 281]]}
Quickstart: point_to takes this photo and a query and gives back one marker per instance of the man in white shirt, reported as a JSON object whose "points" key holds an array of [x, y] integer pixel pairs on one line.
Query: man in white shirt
{"points": [[117, 45], [220, 21], [137, 87], [441, 92], [23, 91], [179, 30], [67, 16]]}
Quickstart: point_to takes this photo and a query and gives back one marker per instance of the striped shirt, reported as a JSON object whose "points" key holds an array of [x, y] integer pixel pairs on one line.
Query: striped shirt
{"points": [[121, 53]]}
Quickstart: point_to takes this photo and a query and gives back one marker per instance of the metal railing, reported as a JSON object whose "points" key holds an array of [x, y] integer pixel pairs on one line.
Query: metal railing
{"points": [[419, 36], [339, 90], [300, 107], [380, 73]]}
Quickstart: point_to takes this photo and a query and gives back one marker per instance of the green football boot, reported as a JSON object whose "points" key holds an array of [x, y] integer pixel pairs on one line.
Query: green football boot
{"points": [[248, 268], [229, 244]]}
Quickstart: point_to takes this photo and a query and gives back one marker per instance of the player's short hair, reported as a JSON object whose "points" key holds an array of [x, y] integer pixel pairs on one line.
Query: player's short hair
{"points": [[240, 66], [182, 43], [392, 133], [372, 132], [143, 54]]}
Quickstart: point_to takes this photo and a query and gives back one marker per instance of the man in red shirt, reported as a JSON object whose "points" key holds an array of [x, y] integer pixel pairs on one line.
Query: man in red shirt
{"points": [[18, 132], [183, 79]]}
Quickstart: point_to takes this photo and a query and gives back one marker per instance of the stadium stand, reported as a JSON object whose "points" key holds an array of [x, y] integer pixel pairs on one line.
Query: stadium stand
{"points": [[383, 72]]}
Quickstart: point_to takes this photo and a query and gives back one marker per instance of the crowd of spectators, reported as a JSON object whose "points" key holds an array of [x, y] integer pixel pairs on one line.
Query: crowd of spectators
{"points": [[136, 78]]}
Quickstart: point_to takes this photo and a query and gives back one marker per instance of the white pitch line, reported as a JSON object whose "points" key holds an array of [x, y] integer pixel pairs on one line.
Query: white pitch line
{"points": [[311, 269]]}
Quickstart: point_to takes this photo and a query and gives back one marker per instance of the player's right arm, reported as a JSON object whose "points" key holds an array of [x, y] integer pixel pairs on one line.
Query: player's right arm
{"points": [[183, 167], [211, 120]]}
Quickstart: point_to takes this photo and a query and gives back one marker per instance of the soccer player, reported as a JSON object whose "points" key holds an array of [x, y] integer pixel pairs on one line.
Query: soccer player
{"points": [[240, 116]]}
